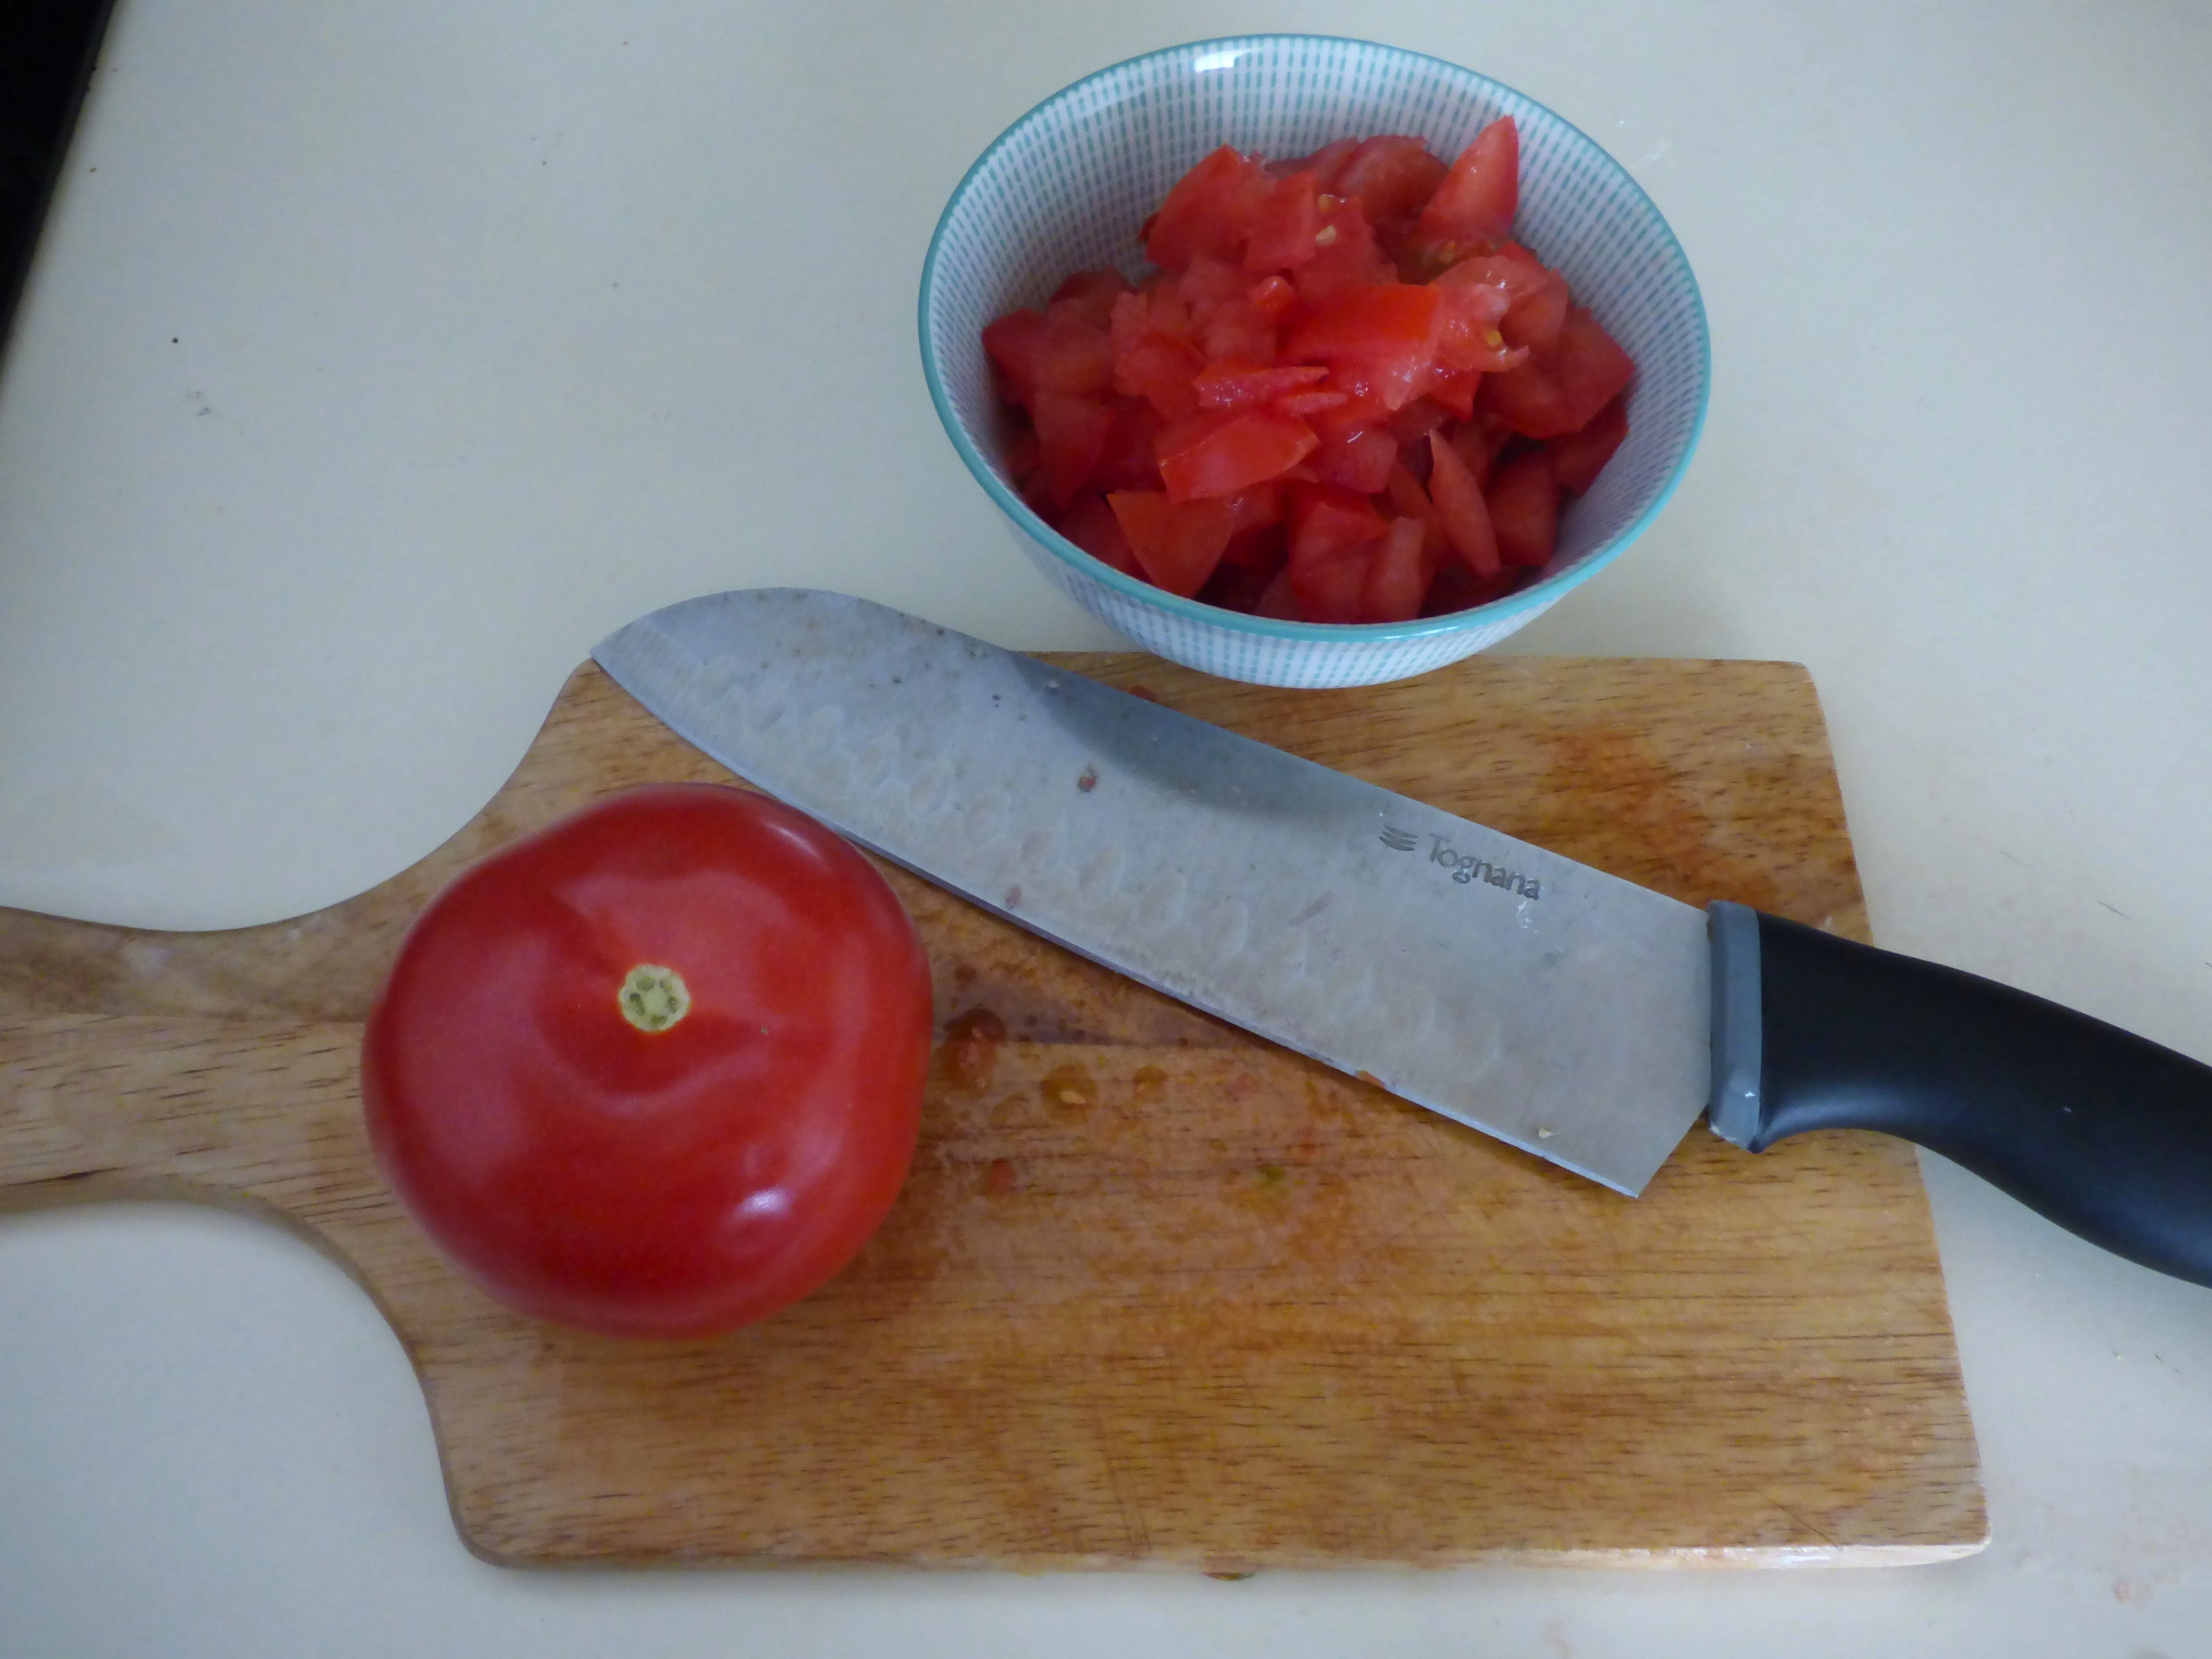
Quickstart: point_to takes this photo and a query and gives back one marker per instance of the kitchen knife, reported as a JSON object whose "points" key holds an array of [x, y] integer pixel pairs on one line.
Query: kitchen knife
{"points": [[1578, 1016]]}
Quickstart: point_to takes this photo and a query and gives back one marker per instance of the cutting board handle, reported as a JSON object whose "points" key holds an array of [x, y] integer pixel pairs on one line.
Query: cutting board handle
{"points": [[229, 1111]]}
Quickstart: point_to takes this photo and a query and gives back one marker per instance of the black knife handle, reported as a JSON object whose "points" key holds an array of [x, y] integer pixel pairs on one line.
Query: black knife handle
{"points": [[2102, 1130]]}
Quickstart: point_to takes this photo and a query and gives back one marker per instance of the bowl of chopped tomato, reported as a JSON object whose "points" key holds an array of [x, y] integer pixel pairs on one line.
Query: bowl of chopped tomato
{"points": [[1312, 362]]}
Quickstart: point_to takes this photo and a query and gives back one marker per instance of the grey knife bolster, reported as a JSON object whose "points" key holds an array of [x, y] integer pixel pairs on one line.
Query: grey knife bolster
{"points": [[1733, 1112], [2103, 1132]]}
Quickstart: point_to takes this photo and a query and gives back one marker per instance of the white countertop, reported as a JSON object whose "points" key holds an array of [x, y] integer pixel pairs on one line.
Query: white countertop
{"points": [[380, 358]]}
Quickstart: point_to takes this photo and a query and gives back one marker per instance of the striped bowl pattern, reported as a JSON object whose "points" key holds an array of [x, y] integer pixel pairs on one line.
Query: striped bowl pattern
{"points": [[1066, 187]]}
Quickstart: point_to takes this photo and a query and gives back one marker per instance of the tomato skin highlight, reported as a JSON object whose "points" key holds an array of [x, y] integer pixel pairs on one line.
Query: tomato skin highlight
{"points": [[669, 1184]]}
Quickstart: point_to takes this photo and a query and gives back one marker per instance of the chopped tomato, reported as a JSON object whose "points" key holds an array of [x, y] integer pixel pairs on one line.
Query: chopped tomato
{"points": [[1412, 425], [1273, 298], [1480, 193], [1088, 297], [1536, 298], [1454, 390], [1091, 525], [1579, 457], [1540, 301], [1459, 505], [1331, 589], [1389, 332], [1207, 283], [1326, 163], [1562, 390], [1177, 435], [1311, 405], [1034, 352], [1130, 459], [1226, 383], [1345, 394], [1474, 312], [1345, 254], [1237, 585], [1458, 588], [1358, 461], [1011, 343], [1359, 404], [1248, 449], [1391, 179], [1257, 509], [1286, 224], [1176, 543], [1022, 458], [1481, 441], [1264, 550], [1407, 498], [1409, 501], [1153, 358], [1279, 600], [1072, 433], [1484, 285], [1524, 508], [1236, 330], [1397, 576], [1327, 522], [1210, 210]]}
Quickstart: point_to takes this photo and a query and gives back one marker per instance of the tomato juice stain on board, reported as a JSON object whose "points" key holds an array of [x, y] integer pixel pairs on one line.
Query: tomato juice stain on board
{"points": [[970, 1053], [1068, 1091]]}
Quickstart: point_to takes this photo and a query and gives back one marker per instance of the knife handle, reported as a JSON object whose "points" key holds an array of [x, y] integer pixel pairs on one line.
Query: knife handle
{"points": [[2103, 1132]]}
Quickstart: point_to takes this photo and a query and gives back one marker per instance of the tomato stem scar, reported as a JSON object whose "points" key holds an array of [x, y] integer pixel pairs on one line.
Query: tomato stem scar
{"points": [[653, 998]]}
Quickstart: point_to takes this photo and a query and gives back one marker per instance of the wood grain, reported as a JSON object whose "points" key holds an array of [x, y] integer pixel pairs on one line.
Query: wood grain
{"points": [[1157, 1294]]}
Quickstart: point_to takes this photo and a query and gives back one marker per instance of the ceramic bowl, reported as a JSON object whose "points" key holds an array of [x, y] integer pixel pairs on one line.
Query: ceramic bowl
{"points": [[1067, 188]]}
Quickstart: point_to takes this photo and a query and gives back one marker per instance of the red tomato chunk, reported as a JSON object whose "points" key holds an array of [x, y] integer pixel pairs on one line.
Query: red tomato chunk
{"points": [[1344, 394]]}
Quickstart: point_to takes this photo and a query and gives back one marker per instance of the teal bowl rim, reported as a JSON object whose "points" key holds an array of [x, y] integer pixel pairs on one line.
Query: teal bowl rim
{"points": [[1532, 598]]}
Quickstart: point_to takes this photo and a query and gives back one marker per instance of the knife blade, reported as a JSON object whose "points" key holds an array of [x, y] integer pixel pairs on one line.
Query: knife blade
{"points": [[1578, 1016]]}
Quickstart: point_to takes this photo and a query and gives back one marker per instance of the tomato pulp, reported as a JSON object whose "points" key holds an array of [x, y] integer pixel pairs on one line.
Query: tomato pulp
{"points": [[1358, 321], [656, 1070]]}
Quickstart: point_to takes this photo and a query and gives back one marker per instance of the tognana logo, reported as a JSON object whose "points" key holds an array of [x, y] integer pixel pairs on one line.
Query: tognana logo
{"points": [[1399, 840], [1467, 867]]}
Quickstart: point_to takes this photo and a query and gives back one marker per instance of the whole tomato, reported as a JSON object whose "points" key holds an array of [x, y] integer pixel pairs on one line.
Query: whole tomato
{"points": [[656, 1070]]}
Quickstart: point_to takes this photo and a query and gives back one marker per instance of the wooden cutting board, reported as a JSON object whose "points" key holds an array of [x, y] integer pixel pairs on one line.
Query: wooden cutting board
{"points": [[1158, 1293]]}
